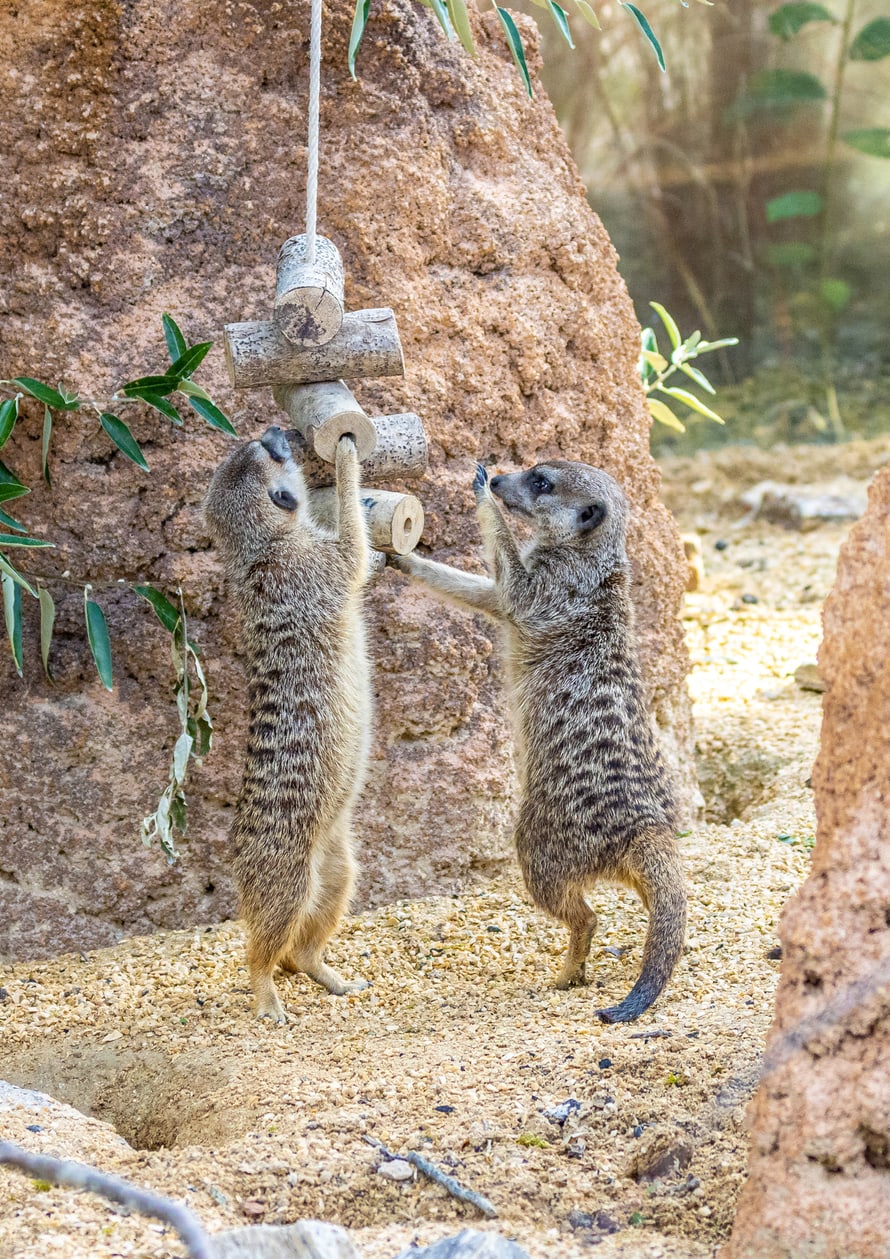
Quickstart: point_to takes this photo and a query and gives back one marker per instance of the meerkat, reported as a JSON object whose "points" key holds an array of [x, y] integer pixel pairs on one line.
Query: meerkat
{"points": [[298, 588], [596, 802]]}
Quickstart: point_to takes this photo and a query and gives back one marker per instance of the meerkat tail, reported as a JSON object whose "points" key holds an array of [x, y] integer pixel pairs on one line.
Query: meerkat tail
{"points": [[659, 879]]}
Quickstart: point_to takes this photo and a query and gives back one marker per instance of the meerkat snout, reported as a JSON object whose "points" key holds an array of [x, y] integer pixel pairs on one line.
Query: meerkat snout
{"points": [[275, 443]]}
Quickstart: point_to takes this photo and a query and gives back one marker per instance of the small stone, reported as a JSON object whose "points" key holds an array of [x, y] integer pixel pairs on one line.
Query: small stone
{"points": [[808, 678], [664, 1152], [253, 1208], [721, 545], [638, 1130], [396, 1169], [445, 1110], [34, 1127], [580, 1219], [605, 1063], [775, 953], [4, 995], [576, 1147], [559, 1114], [750, 599], [606, 1223]]}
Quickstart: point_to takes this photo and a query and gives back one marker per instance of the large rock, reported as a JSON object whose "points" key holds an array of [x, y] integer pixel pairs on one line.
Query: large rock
{"points": [[155, 161], [819, 1173]]}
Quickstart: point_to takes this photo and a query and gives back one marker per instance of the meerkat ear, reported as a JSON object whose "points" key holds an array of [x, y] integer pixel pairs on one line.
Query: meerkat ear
{"points": [[590, 517]]}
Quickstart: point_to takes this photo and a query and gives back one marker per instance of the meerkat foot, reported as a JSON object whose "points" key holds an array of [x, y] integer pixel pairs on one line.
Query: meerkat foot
{"points": [[571, 976], [270, 1007], [336, 985]]}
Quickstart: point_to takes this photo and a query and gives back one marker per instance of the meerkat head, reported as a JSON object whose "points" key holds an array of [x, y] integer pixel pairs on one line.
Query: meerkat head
{"points": [[256, 494], [569, 505]]}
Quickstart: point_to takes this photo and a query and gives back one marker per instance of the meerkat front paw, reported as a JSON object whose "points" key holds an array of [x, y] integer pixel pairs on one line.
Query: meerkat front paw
{"points": [[480, 480], [404, 563], [347, 454]]}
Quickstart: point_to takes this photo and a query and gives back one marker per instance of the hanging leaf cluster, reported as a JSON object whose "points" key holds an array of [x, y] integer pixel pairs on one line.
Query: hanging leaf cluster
{"points": [[195, 727], [454, 19], [656, 370], [190, 688]]}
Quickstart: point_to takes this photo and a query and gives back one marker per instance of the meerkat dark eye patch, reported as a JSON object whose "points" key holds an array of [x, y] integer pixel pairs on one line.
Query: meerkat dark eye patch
{"points": [[284, 499], [590, 516], [539, 484]]}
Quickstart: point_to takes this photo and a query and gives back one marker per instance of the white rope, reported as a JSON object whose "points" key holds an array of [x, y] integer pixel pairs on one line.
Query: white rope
{"points": [[314, 93]]}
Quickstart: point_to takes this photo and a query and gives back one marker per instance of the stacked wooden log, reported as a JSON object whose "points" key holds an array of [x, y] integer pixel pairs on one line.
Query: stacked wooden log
{"points": [[307, 352]]}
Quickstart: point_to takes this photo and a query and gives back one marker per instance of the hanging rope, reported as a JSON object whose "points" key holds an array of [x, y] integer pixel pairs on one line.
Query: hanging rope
{"points": [[314, 94]]}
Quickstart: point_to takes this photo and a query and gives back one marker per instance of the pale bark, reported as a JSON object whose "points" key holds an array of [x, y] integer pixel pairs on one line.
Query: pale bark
{"points": [[323, 413], [395, 521], [309, 299], [367, 345], [401, 452]]}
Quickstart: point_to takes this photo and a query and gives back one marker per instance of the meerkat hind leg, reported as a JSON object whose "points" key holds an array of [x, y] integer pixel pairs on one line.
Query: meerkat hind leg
{"points": [[336, 877], [581, 921], [261, 960]]}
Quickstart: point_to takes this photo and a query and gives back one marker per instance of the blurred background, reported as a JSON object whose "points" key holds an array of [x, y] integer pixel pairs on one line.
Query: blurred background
{"points": [[747, 189]]}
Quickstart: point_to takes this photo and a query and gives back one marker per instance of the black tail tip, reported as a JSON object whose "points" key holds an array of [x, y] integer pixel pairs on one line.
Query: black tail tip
{"points": [[629, 1010]]}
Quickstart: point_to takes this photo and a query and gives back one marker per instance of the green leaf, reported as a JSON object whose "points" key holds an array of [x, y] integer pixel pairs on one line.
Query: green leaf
{"points": [[97, 635], [670, 326], [150, 384], [160, 404], [181, 752], [49, 397], [514, 43], [123, 438], [791, 254], [460, 19], [360, 17], [835, 293], [875, 141], [44, 446], [176, 342], [179, 812], [192, 358], [6, 567], [441, 11], [9, 413], [699, 377], [654, 359], [212, 414], [11, 523], [690, 400], [15, 539], [873, 41], [47, 620], [12, 611], [194, 391], [793, 205], [790, 18], [561, 18], [776, 91], [588, 14], [642, 22], [662, 412], [165, 611], [10, 485], [705, 347]]}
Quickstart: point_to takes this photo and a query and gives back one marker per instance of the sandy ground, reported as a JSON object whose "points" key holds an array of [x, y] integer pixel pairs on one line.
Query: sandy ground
{"points": [[461, 1046]]}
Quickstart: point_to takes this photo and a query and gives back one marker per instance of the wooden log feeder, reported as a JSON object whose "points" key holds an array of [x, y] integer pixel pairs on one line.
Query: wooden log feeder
{"points": [[309, 296], [325, 412], [395, 521], [367, 345], [401, 451]]}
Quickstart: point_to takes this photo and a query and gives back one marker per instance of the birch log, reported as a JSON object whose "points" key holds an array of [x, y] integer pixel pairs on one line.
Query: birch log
{"points": [[395, 521], [323, 413], [401, 452], [367, 345], [309, 299]]}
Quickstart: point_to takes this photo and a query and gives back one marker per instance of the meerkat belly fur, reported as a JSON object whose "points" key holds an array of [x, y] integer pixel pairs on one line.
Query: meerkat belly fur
{"points": [[597, 802], [298, 589]]}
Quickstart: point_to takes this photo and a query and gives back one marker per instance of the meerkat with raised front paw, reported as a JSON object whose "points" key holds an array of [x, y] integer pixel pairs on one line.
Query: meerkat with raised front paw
{"points": [[298, 588], [597, 802]]}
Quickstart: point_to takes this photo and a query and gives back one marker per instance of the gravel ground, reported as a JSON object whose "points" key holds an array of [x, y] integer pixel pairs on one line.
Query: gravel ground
{"points": [[460, 1046]]}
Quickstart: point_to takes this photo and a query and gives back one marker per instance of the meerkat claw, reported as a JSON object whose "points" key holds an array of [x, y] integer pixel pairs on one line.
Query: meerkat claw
{"points": [[480, 480]]}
